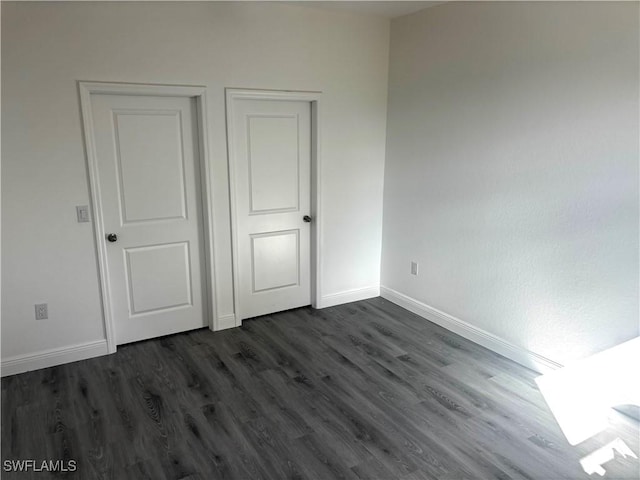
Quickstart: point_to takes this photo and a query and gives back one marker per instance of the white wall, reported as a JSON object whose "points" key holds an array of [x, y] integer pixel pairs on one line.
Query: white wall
{"points": [[48, 47], [512, 170]]}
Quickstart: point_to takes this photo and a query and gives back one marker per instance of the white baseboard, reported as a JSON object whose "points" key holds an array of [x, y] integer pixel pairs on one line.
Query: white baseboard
{"points": [[226, 321], [53, 357], [348, 296], [492, 342], [50, 358]]}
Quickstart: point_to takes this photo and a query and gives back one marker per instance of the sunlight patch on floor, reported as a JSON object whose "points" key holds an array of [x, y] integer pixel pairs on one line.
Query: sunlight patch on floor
{"points": [[593, 462], [581, 397]]}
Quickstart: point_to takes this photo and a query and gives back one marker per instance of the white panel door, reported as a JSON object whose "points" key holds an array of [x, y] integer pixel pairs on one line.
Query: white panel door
{"points": [[272, 164], [148, 169]]}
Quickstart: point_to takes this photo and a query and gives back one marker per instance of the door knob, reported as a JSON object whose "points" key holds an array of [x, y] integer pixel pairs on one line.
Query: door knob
{"points": [[112, 237], [307, 218]]}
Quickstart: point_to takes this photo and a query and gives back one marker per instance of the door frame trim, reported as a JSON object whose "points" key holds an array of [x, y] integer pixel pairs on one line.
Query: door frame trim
{"points": [[198, 93], [314, 98]]}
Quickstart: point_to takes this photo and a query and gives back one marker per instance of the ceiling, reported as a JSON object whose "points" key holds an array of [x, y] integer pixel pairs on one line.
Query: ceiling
{"points": [[387, 9]]}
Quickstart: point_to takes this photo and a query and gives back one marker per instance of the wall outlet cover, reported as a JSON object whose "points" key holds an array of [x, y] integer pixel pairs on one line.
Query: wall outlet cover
{"points": [[42, 311], [414, 268]]}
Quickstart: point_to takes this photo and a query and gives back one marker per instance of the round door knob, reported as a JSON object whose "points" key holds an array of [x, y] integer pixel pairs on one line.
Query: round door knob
{"points": [[112, 237], [307, 218]]}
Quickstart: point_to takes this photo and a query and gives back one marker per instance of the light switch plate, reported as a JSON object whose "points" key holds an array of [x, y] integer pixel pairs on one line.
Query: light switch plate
{"points": [[82, 212]]}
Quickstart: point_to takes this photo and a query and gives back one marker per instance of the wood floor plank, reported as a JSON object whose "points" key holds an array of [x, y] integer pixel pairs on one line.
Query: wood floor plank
{"points": [[359, 391]]}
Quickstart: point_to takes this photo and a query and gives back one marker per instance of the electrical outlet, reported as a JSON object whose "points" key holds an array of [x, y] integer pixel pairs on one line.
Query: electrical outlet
{"points": [[42, 311], [414, 268]]}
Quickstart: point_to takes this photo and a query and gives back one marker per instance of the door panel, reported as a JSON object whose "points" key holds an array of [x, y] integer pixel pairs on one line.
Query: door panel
{"points": [[147, 157], [275, 260], [272, 163], [274, 182], [159, 277], [149, 145]]}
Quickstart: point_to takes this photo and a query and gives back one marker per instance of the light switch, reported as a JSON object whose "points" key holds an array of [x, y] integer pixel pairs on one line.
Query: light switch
{"points": [[82, 211]]}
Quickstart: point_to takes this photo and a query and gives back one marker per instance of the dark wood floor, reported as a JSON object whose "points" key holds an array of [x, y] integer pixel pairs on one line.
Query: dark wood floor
{"points": [[360, 391]]}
